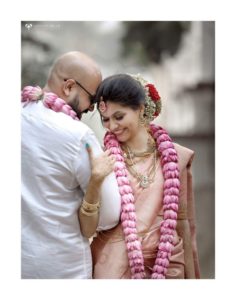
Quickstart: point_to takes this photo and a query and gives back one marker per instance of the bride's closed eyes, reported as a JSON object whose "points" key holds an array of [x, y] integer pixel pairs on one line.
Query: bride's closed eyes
{"points": [[116, 117]]}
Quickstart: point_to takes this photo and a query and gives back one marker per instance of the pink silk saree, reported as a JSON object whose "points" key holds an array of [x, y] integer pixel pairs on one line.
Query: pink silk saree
{"points": [[109, 253]]}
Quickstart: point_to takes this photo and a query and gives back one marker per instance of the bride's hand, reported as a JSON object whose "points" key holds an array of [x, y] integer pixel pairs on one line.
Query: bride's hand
{"points": [[102, 165]]}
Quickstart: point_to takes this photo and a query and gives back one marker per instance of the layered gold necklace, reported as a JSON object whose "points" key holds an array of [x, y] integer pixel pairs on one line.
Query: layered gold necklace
{"points": [[132, 158]]}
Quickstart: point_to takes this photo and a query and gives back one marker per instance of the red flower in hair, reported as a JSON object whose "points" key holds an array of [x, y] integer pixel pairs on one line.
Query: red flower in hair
{"points": [[153, 93]]}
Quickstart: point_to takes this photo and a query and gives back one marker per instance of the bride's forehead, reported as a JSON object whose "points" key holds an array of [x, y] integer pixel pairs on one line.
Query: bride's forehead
{"points": [[113, 105], [112, 108]]}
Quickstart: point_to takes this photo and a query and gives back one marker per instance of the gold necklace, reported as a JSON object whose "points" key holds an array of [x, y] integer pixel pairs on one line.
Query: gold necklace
{"points": [[146, 179], [130, 154]]}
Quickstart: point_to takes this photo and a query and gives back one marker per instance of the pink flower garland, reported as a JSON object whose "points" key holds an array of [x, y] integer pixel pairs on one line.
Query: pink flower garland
{"points": [[50, 100], [169, 162]]}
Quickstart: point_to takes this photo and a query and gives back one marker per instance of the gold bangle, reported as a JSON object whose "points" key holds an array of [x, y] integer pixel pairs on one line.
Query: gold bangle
{"points": [[90, 206], [89, 214]]}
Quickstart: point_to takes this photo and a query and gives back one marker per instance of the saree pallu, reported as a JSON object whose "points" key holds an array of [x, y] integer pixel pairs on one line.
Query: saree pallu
{"points": [[110, 260], [110, 255]]}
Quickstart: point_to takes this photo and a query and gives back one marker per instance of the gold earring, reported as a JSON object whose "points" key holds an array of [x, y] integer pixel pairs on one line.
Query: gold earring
{"points": [[142, 120]]}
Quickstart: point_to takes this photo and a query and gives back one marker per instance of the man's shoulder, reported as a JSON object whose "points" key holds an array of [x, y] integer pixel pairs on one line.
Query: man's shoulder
{"points": [[57, 123], [67, 124]]}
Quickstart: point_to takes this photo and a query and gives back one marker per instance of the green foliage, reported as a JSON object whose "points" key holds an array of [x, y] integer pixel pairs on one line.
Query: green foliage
{"points": [[149, 40]]}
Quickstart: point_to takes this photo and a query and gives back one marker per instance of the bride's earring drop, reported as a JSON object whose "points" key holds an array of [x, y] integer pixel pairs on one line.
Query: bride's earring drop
{"points": [[142, 120]]}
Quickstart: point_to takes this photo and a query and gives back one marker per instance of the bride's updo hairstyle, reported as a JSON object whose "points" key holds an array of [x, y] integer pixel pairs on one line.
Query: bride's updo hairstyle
{"points": [[121, 89]]}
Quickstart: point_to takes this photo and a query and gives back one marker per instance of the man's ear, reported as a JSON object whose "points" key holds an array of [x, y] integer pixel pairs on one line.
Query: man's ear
{"points": [[67, 86]]}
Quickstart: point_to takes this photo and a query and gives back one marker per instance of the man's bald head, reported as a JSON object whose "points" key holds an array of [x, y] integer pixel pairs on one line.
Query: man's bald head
{"points": [[78, 66]]}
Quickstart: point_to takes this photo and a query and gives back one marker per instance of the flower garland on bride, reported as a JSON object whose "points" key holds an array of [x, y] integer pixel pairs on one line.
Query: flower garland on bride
{"points": [[169, 163]]}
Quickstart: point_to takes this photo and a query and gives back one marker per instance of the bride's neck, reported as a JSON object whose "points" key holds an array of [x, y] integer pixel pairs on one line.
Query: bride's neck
{"points": [[139, 141]]}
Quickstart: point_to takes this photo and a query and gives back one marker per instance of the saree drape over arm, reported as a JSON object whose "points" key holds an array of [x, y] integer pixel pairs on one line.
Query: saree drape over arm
{"points": [[109, 253]]}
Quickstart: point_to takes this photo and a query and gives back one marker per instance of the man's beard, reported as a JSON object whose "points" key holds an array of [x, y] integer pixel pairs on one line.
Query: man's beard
{"points": [[74, 104]]}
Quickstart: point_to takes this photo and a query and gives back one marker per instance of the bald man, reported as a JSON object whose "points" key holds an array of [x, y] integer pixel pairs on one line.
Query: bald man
{"points": [[75, 77], [63, 168]]}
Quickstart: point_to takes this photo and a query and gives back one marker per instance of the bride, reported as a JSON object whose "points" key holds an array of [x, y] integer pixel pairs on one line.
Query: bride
{"points": [[156, 234]]}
